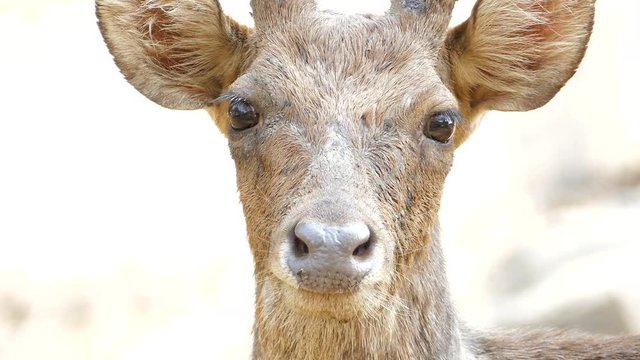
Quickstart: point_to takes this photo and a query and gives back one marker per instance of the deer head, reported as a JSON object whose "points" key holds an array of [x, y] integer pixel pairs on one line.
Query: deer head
{"points": [[343, 127]]}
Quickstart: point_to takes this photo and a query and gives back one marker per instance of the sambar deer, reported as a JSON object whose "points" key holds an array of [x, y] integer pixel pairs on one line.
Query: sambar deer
{"points": [[343, 129]]}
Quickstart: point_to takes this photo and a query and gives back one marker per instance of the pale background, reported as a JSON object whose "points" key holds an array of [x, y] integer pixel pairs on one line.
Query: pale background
{"points": [[121, 236]]}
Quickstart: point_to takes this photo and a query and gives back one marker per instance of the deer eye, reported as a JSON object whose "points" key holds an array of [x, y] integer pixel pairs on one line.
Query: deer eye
{"points": [[242, 115], [440, 126]]}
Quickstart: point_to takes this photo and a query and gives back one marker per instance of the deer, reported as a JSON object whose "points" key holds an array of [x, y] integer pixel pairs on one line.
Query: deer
{"points": [[343, 130]]}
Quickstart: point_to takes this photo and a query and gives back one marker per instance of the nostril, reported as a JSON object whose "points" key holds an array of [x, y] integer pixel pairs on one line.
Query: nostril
{"points": [[363, 249], [300, 248]]}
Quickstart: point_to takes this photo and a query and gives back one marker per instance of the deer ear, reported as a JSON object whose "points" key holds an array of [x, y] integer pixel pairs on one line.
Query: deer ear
{"points": [[515, 55], [178, 53]]}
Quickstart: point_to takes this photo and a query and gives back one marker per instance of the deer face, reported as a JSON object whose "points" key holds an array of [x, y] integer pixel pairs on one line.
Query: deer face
{"points": [[343, 128], [342, 162]]}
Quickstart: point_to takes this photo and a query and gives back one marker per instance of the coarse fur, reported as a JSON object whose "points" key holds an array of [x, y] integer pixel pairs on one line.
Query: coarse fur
{"points": [[343, 102]]}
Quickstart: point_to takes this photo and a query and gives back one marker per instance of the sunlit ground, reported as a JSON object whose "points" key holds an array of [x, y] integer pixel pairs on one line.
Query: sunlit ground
{"points": [[121, 235]]}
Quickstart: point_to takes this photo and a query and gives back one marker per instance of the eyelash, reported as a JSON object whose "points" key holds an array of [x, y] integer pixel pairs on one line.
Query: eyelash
{"points": [[229, 97]]}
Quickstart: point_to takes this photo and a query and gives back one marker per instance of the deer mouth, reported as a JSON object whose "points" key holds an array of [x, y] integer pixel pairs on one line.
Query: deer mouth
{"points": [[332, 295], [329, 282], [340, 305]]}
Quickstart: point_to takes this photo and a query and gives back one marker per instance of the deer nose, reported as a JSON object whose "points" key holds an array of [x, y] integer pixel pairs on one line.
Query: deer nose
{"points": [[330, 258]]}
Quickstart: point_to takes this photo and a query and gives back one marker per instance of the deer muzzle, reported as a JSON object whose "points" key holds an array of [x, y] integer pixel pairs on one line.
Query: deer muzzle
{"points": [[330, 258], [330, 245]]}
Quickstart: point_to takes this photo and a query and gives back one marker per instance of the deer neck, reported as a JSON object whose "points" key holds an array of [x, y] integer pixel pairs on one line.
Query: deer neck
{"points": [[417, 323]]}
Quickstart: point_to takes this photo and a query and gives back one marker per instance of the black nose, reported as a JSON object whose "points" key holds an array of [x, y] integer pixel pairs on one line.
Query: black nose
{"points": [[330, 258]]}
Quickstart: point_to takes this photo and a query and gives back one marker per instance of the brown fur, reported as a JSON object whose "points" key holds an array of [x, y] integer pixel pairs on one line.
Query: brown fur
{"points": [[343, 101], [178, 54], [554, 345]]}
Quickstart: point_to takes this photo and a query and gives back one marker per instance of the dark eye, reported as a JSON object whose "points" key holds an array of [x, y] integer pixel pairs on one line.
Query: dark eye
{"points": [[242, 115], [440, 126]]}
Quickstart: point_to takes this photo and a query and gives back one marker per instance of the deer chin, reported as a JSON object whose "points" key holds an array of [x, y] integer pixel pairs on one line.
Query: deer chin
{"points": [[360, 303], [357, 302]]}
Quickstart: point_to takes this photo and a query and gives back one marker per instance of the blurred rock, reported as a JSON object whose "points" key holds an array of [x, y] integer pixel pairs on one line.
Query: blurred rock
{"points": [[13, 311], [77, 314]]}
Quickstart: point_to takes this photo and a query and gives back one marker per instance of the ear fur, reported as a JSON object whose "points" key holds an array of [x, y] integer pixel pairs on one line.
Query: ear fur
{"points": [[179, 53], [515, 55]]}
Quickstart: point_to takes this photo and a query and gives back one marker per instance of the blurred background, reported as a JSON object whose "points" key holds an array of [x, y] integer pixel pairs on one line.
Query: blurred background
{"points": [[121, 235]]}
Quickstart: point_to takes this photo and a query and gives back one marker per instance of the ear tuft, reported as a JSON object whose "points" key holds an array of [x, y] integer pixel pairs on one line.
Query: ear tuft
{"points": [[180, 54], [516, 55]]}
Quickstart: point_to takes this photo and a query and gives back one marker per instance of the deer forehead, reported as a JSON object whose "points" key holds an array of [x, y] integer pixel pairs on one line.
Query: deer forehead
{"points": [[337, 65]]}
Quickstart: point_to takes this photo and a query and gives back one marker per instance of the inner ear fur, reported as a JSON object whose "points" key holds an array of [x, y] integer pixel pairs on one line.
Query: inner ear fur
{"points": [[515, 55], [180, 54]]}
